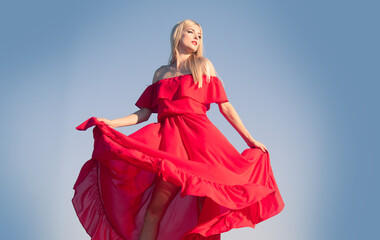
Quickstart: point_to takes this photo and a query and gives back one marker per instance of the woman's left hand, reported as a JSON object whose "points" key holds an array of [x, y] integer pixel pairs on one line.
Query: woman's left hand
{"points": [[253, 143], [106, 121]]}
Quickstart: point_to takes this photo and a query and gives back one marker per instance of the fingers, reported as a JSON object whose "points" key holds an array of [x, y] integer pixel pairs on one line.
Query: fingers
{"points": [[100, 119], [103, 120]]}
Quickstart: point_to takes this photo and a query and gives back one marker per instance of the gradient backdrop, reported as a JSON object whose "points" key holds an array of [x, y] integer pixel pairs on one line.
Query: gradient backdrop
{"points": [[301, 75]]}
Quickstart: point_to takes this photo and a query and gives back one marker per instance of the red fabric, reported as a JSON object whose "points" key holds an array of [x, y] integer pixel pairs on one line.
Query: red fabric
{"points": [[114, 187]]}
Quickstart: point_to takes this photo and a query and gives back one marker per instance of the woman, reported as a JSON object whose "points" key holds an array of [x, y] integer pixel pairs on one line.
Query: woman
{"points": [[178, 178]]}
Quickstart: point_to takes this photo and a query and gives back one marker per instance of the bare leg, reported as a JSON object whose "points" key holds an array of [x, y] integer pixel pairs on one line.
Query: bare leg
{"points": [[162, 195]]}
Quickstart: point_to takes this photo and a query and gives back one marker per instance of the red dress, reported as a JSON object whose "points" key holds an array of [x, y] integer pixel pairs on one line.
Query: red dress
{"points": [[114, 187]]}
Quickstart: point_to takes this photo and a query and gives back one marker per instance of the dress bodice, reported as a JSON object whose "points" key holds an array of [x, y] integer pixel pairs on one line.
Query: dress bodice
{"points": [[178, 95]]}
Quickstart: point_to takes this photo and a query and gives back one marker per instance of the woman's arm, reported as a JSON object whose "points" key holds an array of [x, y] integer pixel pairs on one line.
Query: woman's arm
{"points": [[229, 112], [141, 115]]}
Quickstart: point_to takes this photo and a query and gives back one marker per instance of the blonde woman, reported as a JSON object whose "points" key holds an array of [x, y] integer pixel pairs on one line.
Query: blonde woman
{"points": [[178, 178]]}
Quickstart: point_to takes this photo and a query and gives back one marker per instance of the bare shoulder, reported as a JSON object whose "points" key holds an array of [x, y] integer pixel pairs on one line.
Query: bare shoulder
{"points": [[166, 71], [159, 73], [208, 66]]}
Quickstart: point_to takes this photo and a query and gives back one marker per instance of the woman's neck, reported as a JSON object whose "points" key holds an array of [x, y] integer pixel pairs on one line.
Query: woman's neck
{"points": [[182, 57]]}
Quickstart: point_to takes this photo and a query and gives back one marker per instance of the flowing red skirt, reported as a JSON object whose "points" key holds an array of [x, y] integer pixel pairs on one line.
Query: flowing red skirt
{"points": [[115, 186]]}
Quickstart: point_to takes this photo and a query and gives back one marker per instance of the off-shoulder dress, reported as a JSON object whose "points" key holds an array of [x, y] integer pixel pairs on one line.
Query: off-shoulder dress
{"points": [[221, 188]]}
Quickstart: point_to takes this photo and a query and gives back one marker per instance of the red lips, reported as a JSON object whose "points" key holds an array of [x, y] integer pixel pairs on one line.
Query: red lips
{"points": [[194, 42]]}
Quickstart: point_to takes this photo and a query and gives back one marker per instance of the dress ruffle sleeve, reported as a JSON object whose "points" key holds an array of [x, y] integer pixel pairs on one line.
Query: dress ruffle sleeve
{"points": [[215, 92], [182, 87], [210, 92], [149, 98]]}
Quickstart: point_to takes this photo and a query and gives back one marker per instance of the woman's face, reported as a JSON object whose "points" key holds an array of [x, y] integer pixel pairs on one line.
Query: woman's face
{"points": [[190, 39]]}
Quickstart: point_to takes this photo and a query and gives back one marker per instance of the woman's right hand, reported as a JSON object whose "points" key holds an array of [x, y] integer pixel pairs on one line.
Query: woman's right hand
{"points": [[106, 121], [252, 143]]}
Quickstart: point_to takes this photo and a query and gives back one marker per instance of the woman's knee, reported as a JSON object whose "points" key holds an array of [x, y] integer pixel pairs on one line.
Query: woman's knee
{"points": [[162, 195], [154, 213]]}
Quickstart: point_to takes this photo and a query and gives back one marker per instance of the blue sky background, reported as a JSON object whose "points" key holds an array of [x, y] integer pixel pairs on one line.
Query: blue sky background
{"points": [[302, 75]]}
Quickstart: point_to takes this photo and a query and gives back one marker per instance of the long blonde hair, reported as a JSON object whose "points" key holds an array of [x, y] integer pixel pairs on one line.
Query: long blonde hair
{"points": [[196, 63]]}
